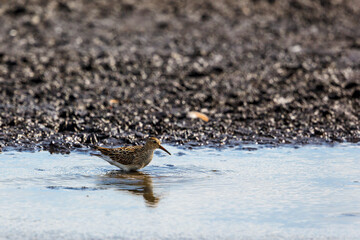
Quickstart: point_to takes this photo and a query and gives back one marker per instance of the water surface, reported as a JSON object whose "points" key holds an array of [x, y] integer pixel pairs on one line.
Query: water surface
{"points": [[239, 193]]}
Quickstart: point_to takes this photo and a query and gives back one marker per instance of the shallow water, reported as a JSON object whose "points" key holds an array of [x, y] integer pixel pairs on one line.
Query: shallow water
{"points": [[242, 193]]}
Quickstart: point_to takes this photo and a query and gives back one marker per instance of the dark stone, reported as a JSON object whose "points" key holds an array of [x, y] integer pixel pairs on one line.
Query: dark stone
{"points": [[351, 85], [356, 94], [17, 10], [108, 72]]}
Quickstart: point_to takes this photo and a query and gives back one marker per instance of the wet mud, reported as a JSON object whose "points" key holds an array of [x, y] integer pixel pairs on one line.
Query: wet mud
{"points": [[77, 73]]}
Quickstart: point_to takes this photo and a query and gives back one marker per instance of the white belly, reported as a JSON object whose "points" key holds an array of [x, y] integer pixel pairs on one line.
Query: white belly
{"points": [[119, 165], [127, 167]]}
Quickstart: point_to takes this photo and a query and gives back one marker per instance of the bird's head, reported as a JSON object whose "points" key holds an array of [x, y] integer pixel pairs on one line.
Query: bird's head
{"points": [[154, 143]]}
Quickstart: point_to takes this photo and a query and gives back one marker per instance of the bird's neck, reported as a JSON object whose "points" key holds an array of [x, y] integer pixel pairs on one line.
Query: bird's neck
{"points": [[149, 149]]}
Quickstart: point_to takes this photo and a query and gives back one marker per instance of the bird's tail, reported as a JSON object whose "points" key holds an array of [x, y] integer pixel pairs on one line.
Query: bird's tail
{"points": [[95, 147]]}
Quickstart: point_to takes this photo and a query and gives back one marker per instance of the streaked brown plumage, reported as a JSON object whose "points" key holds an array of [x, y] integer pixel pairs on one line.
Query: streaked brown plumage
{"points": [[131, 158]]}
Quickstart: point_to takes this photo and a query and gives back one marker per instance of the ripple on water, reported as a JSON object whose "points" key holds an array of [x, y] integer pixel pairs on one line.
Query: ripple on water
{"points": [[309, 192]]}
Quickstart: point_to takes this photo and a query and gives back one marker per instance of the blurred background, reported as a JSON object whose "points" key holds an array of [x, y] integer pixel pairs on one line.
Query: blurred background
{"points": [[77, 72]]}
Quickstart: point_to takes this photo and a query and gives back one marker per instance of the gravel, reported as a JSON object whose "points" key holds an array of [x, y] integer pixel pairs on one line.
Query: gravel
{"points": [[77, 73]]}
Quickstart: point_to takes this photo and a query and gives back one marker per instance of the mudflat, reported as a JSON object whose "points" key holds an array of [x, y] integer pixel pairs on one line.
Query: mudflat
{"points": [[75, 73]]}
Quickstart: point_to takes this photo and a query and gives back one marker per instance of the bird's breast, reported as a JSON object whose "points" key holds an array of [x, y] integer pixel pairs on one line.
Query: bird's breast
{"points": [[146, 157]]}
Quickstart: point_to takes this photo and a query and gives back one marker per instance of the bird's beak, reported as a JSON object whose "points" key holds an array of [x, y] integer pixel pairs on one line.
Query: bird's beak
{"points": [[162, 148]]}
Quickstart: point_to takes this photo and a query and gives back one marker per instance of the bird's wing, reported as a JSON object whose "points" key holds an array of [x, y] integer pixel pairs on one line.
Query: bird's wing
{"points": [[123, 155]]}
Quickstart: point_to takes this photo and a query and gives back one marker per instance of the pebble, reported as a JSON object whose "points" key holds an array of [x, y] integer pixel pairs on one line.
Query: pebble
{"points": [[105, 78]]}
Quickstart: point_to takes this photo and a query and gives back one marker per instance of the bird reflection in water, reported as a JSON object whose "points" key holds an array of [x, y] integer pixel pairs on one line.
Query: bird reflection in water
{"points": [[137, 183]]}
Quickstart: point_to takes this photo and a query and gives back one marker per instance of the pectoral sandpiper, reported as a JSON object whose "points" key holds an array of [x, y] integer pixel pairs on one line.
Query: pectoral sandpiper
{"points": [[131, 158]]}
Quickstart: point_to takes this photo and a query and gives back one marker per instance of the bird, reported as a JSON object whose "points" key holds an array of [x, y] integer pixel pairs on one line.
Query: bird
{"points": [[131, 158]]}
